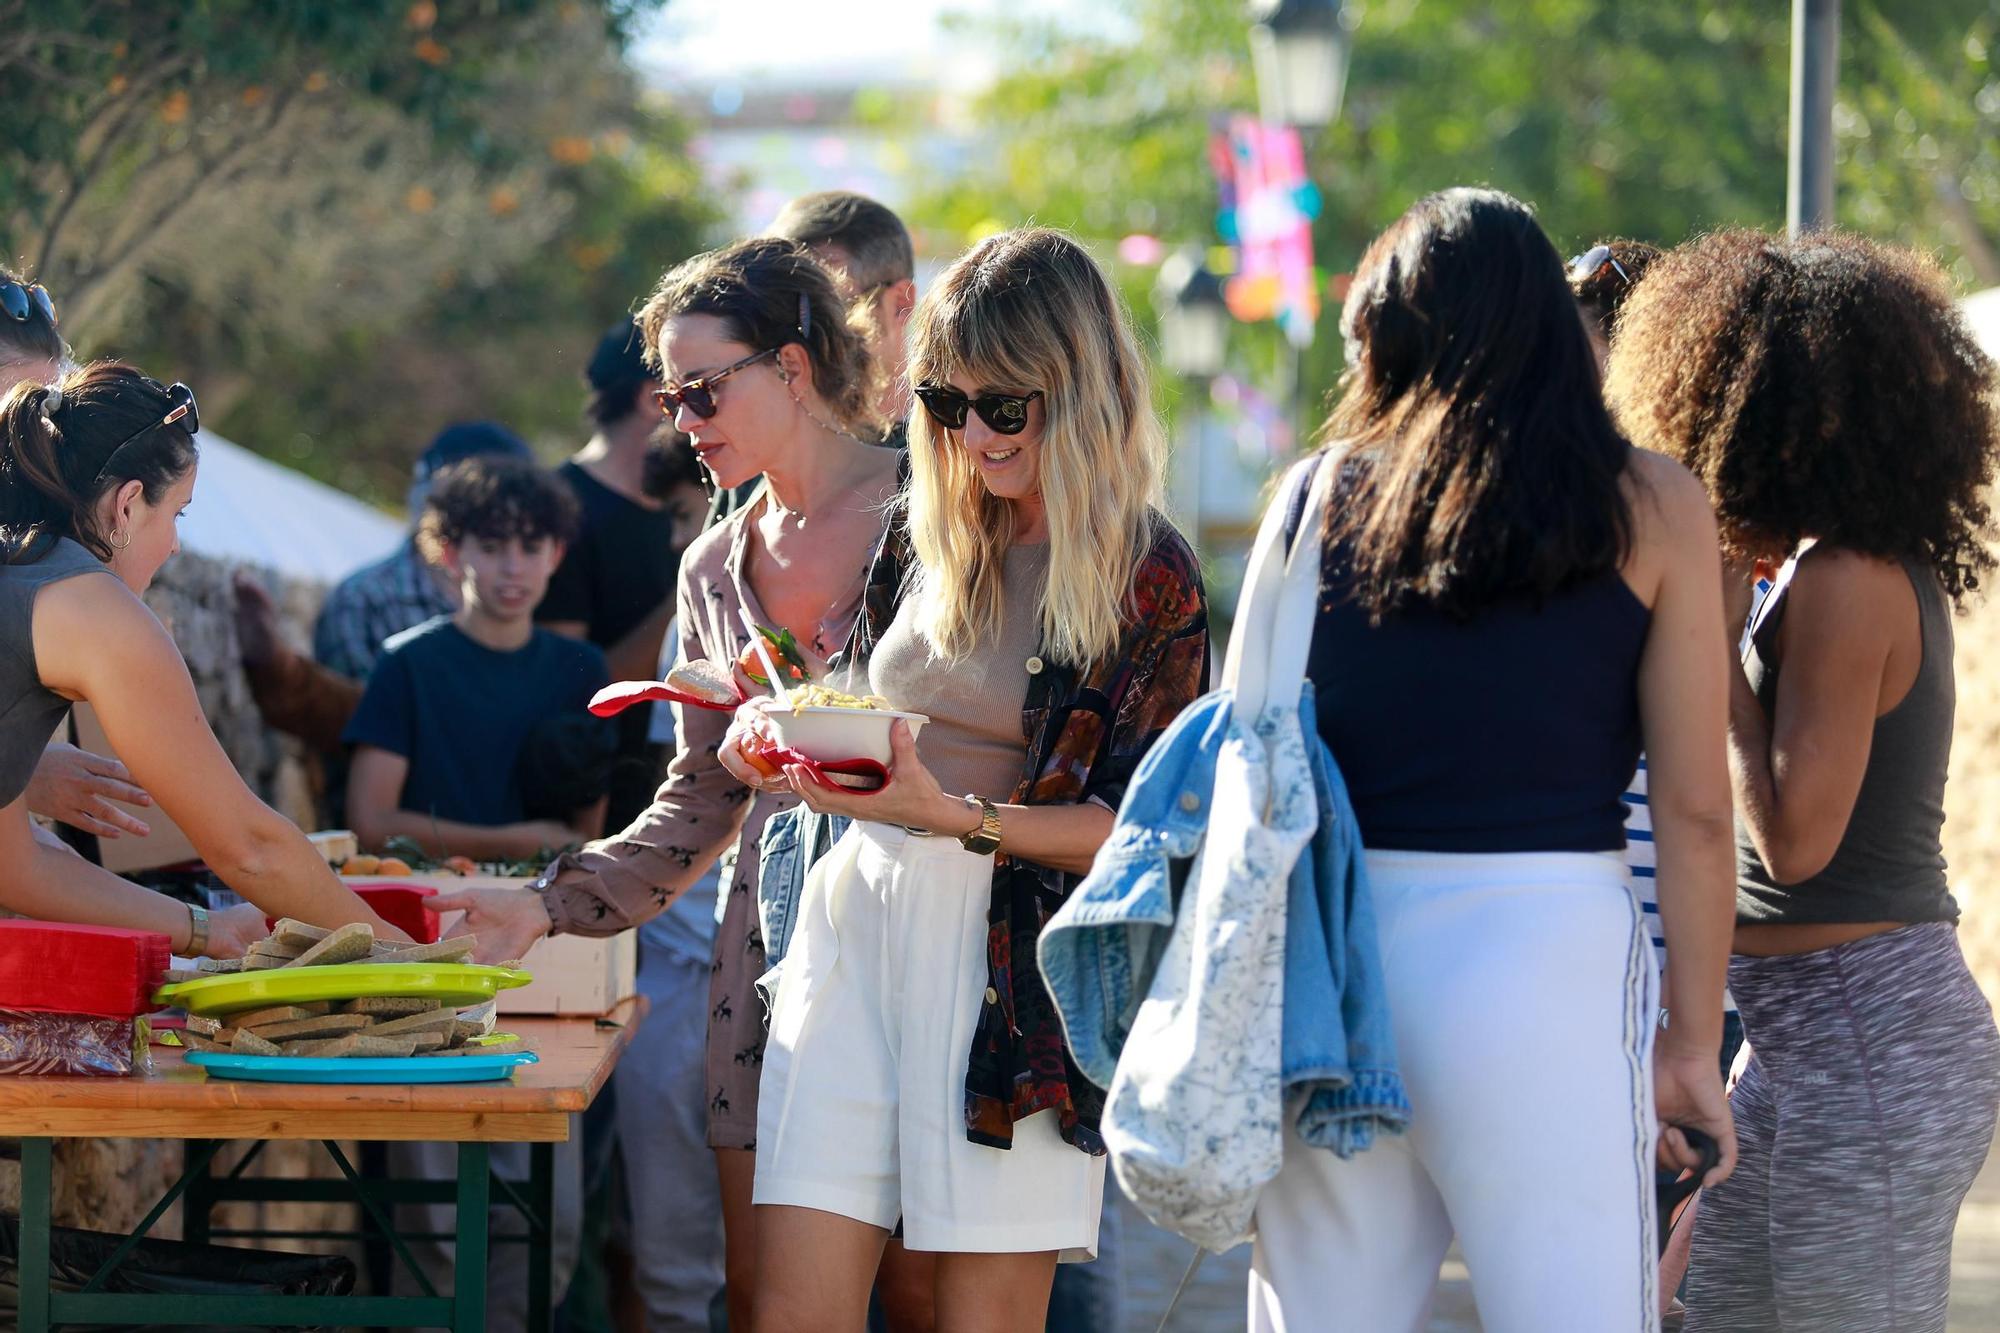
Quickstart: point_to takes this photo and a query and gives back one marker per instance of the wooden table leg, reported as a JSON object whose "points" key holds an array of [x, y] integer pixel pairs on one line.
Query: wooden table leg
{"points": [[468, 1283], [36, 1178], [541, 1238]]}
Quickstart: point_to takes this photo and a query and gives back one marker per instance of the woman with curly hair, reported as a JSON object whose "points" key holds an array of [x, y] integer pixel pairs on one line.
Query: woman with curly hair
{"points": [[1842, 417]]}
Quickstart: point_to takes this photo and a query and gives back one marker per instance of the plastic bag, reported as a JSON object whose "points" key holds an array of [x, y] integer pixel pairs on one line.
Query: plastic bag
{"points": [[37, 1043]]}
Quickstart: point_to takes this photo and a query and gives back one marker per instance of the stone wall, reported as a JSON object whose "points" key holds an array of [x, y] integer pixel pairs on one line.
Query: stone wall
{"points": [[193, 599]]}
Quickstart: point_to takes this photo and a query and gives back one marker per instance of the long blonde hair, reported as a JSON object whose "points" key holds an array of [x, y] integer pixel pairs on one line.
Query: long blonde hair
{"points": [[1029, 310]]}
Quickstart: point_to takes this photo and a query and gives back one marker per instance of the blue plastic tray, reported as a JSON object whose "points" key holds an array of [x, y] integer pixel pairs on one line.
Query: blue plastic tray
{"points": [[390, 1069]]}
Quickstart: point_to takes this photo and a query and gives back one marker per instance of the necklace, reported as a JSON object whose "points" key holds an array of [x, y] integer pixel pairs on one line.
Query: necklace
{"points": [[828, 428]]}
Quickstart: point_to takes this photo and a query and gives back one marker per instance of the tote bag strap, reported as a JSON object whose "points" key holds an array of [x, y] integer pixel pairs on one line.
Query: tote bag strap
{"points": [[1272, 636]]}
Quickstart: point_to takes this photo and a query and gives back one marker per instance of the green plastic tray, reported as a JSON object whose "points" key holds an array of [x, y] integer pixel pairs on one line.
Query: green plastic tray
{"points": [[456, 984]]}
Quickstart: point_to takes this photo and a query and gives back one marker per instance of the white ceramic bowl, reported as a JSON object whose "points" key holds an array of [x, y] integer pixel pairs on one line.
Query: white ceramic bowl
{"points": [[831, 734]]}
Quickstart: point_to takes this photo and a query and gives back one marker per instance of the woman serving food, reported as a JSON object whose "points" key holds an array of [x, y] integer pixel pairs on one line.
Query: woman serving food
{"points": [[95, 469], [765, 374]]}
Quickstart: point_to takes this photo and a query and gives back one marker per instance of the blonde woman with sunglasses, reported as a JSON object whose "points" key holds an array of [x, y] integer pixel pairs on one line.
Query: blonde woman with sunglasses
{"points": [[1036, 606]]}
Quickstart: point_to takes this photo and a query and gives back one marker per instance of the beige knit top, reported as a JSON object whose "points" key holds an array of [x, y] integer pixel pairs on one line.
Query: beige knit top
{"points": [[976, 740]]}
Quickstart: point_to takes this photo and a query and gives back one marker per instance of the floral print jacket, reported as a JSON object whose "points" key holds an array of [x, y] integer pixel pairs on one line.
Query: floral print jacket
{"points": [[1086, 732]]}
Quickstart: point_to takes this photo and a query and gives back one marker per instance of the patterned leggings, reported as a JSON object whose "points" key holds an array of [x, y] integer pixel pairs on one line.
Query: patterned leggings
{"points": [[1867, 1109]]}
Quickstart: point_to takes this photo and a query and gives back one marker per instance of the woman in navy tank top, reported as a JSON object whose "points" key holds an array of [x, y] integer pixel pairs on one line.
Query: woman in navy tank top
{"points": [[1514, 601]]}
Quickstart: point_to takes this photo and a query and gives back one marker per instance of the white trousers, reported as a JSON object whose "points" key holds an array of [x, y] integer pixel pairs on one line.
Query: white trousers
{"points": [[861, 1110], [1522, 994]]}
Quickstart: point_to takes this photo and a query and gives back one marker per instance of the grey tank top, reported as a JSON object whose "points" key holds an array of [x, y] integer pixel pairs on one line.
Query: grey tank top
{"points": [[29, 711], [1890, 862]]}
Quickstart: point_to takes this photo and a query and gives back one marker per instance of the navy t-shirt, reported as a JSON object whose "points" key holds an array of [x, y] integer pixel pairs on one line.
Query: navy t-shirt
{"points": [[459, 712], [619, 570]]}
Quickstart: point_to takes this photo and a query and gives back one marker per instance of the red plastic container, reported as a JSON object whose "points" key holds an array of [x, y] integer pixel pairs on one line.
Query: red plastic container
{"points": [[401, 905], [55, 967]]}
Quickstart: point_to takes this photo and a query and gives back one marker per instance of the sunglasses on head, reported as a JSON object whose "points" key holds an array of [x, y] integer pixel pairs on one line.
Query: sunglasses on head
{"points": [[181, 412], [21, 301], [1592, 261], [1005, 413], [698, 395]]}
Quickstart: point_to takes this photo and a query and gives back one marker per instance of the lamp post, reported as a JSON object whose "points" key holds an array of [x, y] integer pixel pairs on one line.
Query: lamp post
{"points": [[1194, 320], [1815, 74], [1194, 336], [1299, 48]]}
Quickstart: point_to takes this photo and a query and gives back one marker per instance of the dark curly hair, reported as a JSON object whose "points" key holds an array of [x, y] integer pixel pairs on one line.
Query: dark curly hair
{"points": [[1601, 290], [494, 499], [1825, 387]]}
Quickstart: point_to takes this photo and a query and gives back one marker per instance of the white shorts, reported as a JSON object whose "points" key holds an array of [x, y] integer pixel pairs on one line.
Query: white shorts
{"points": [[1521, 991], [862, 1106]]}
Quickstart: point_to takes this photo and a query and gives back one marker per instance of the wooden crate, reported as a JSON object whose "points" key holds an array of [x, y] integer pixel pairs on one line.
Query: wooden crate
{"points": [[575, 976]]}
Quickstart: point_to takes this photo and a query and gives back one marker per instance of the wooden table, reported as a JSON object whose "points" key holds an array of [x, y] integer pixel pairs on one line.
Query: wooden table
{"points": [[179, 1101]]}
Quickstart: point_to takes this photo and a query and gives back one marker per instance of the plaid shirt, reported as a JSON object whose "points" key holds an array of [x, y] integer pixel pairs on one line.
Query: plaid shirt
{"points": [[396, 593], [1086, 732]]}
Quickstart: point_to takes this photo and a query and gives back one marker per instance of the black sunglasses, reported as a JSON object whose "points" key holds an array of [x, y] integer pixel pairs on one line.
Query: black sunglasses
{"points": [[20, 301], [1592, 261], [698, 395], [1006, 413], [182, 413]]}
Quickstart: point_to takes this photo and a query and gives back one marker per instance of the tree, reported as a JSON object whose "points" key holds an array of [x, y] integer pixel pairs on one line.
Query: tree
{"points": [[346, 224], [1645, 120]]}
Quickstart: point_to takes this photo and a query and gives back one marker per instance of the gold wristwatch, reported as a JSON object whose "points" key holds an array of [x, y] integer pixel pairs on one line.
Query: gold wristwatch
{"points": [[984, 840]]}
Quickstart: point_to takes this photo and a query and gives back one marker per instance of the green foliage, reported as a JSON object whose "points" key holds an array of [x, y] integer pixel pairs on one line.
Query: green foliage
{"points": [[1644, 120], [347, 223]]}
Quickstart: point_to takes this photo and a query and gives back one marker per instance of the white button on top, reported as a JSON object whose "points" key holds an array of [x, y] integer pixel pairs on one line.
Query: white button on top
{"points": [[1034, 666]]}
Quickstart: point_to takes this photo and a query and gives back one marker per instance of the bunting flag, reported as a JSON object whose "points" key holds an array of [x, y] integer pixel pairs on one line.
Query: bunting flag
{"points": [[1267, 206]]}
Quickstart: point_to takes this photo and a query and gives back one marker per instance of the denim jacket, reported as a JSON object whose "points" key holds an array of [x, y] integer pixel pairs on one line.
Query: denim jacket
{"points": [[792, 842], [1338, 1056]]}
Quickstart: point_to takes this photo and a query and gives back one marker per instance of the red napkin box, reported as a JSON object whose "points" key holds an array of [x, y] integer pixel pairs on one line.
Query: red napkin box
{"points": [[54, 967], [401, 905]]}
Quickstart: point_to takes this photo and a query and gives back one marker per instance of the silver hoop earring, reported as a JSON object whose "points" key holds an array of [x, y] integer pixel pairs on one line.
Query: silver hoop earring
{"points": [[117, 545]]}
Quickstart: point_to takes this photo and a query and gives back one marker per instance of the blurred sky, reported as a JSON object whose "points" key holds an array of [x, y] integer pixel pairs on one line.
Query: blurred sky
{"points": [[710, 56], [805, 43]]}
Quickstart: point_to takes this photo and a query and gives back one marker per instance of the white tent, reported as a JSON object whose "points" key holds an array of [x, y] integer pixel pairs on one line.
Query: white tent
{"points": [[1982, 311], [250, 509]]}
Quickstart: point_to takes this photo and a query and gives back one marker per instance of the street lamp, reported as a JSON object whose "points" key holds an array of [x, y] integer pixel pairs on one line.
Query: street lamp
{"points": [[1194, 320], [1299, 48], [1194, 335]]}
